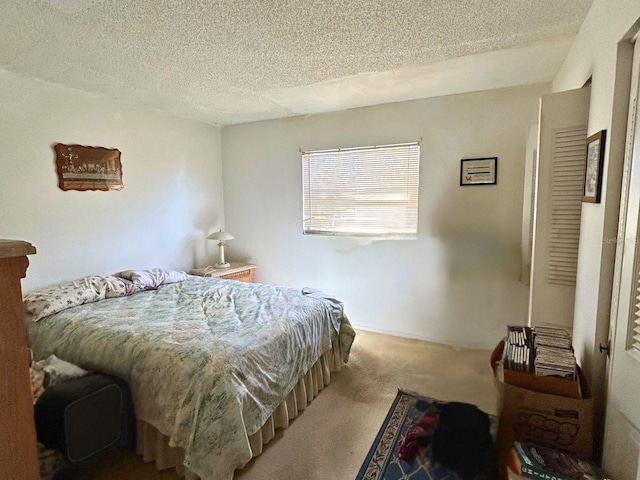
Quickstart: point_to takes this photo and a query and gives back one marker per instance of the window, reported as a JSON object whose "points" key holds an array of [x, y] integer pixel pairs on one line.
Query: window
{"points": [[370, 191]]}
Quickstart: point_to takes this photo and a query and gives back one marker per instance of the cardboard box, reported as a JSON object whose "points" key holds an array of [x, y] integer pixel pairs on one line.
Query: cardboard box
{"points": [[542, 418], [552, 385]]}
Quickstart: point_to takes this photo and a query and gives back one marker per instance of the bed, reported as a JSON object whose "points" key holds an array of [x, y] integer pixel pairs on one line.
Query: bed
{"points": [[214, 366]]}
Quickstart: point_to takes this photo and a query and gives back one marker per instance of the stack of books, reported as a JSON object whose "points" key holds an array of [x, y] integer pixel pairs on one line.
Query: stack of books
{"points": [[517, 348], [530, 461], [543, 351], [553, 353], [552, 337]]}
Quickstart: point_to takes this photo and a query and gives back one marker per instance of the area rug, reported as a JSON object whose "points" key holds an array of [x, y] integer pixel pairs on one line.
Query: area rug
{"points": [[383, 463]]}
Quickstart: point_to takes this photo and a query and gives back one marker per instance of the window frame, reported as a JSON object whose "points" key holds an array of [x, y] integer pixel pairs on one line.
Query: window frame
{"points": [[411, 181]]}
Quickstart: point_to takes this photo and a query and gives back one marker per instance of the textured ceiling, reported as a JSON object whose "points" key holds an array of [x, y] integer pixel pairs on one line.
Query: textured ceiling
{"points": [[232, 61]]}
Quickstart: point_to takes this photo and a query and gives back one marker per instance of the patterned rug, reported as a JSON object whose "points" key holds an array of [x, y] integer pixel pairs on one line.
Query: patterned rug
{"points": [[382, 461]]}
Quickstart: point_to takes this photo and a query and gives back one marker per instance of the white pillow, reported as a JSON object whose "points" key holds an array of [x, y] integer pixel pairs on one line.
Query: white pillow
{"points": [[43, 303], [149, 279]]}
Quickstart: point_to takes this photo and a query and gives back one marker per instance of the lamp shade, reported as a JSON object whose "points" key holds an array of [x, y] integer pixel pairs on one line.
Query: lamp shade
{"points": [[220, 236]]}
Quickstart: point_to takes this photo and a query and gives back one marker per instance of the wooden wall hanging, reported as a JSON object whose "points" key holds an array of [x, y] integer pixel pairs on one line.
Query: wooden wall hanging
{"points": [[88, 168]]}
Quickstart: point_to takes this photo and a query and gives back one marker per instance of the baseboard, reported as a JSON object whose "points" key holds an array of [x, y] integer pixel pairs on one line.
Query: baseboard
{"points": [[414, 336]]}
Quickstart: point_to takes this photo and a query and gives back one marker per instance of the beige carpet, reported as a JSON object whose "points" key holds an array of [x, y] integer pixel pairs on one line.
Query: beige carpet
{"points": [[332, 437]]}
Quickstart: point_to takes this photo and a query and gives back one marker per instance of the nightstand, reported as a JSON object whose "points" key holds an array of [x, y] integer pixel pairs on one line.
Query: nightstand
{"points": [[242, 272]]}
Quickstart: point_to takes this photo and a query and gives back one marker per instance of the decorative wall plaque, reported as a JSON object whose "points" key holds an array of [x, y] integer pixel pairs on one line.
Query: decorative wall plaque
{"points": [[88, 168], [479, 171]]}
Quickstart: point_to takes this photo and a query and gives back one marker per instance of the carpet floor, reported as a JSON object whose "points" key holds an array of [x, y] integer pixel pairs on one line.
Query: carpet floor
{"points": [[331, 438]]}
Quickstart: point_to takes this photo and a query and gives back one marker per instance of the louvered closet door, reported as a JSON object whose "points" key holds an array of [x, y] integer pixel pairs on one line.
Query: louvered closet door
{"points": [[633, 337], [567, 181], [558, 206], [621, 455]]}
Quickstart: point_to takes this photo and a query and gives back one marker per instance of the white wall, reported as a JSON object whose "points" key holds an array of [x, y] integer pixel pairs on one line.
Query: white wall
{"points": [[172, 177], [594, 54], [459, 282]]}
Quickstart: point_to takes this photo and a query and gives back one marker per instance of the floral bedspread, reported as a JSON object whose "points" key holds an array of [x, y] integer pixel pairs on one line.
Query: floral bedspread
{"points": [[207, 360]]}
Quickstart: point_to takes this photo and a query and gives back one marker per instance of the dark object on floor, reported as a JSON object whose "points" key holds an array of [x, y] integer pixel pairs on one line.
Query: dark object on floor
{"points": [[418, 436], [409, 411], [462, 439], [86, 417]]}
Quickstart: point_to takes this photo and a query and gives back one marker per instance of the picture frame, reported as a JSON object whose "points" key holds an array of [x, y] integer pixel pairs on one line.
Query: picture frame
{"points": [[88, 168], [594, 164], [479, 171]]}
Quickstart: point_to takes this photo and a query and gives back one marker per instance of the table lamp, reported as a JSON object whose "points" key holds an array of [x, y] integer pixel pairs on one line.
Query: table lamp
{"points": [[221, 237]]}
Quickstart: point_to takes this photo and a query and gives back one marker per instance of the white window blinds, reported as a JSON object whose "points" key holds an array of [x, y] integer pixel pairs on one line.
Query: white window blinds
{"points": [[370, 191]]}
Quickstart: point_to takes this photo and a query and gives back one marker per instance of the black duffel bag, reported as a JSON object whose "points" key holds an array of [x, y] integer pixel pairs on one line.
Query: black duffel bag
{"points": [[462, 439]]}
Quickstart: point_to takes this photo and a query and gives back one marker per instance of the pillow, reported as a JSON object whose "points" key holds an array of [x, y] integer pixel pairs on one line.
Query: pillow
{"points": [[43, 303], [151, 279]]}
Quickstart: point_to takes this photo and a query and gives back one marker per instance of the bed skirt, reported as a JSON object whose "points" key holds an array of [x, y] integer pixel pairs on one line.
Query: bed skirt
{"points": [[153, 446]]}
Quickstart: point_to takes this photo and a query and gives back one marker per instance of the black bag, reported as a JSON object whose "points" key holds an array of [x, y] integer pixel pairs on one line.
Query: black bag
{"points": [[85, 417], [462, 439]]}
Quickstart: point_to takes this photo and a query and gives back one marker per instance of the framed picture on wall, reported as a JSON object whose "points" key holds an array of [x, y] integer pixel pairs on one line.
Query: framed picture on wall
{"points": [[479, 171], [593, 167], [88, 168]]}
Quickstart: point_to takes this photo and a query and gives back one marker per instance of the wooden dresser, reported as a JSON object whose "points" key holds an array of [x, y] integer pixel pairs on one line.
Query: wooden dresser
{"points": [[242, 272], [18, 455]]}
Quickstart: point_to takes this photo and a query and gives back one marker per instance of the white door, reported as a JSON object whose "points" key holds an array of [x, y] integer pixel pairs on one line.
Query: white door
{"points": [[621, 456], [558, 206]]}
